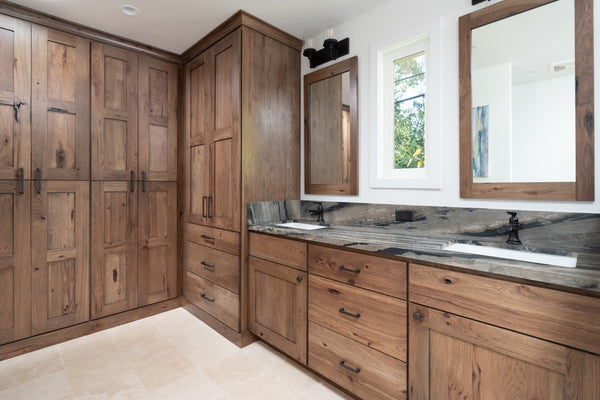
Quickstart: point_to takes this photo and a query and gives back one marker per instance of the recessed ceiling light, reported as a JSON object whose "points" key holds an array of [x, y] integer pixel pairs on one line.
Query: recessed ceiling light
{"points": [[130, 10]]}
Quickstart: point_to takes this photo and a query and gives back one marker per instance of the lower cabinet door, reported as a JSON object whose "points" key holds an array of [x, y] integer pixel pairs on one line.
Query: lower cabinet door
{"points": [[59, 254], [278, 306], [114, 248], [157, 234], [452, 357]]}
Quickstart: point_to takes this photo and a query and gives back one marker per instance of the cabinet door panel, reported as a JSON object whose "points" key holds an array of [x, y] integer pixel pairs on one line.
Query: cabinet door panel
{"points": [[114, 113], [198, 186], [60, 258], [278, 306], [61, 112], [157, 215], [15, 270], [452, 357], [15, 88], [199, 99], [225, 201], [114, 248], [158, 120]]}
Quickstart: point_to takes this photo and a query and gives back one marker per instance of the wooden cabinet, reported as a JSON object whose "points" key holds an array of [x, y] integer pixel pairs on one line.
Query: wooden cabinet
{"points": [[278, 296], [15, 272], [455, 357], [59, 254], [60, 144], [15, 98], [213, 95]]}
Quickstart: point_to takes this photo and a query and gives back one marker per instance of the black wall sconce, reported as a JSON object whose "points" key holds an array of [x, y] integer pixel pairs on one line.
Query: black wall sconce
{"points": [[332, 49]]}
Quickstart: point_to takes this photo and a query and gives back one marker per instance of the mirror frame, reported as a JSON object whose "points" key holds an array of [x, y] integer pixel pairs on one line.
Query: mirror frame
{"points": [[583, 188], [349, 65]]}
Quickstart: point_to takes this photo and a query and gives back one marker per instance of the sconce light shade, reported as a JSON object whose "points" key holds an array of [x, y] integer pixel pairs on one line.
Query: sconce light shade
{"points": [[332, 49]]}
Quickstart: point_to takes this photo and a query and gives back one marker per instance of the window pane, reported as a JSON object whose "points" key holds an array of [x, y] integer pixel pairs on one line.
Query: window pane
{"points": [[409, 112]]}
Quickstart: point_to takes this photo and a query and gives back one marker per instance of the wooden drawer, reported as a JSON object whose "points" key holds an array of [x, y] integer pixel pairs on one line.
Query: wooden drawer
{"points": [[216, 266], [369, 272], [215, 300], [380, 376], [282, 251], [217, 239], [376, 320], [560, 317]]}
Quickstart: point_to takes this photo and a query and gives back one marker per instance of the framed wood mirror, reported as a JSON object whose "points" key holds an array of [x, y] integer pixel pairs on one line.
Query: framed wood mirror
{"points": [[527, 101], [331, 129]]}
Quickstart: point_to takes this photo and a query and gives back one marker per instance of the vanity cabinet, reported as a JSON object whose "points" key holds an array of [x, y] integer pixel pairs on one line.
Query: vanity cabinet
{"points": [[480, 337], [277, 296]]}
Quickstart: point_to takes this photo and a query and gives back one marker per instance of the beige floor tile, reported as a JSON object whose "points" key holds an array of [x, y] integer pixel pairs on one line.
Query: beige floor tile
{"points": [[163, 369], [266, 386], [78, 351], [209, 351], [89, 373], [323, 391], [50, 387], [133, 333], [296, 375], [263, 354], [28, 367], [233, 371], [11, 394], [126, 386], [191, 387], [150, 351]]}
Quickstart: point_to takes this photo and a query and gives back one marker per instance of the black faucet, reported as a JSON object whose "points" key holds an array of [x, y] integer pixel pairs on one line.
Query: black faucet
{"points": [[513, 236], [319, 213]]}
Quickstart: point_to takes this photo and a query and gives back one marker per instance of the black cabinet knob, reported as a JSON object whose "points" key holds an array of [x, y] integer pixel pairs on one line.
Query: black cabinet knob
{"points": [[299, 278], [417, 316]]}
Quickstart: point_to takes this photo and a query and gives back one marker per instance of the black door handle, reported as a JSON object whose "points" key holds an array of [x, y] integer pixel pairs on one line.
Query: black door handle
{"points": [[209, 201], [39, 171], [343, 365], [132, 181], [355, 271], [357, 315], [22, 180], [16, 107], [144, 181]]}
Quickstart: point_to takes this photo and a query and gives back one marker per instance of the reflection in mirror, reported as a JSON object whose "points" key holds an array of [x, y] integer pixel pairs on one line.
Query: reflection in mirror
{"points": [[331, 130], [523, 97]]}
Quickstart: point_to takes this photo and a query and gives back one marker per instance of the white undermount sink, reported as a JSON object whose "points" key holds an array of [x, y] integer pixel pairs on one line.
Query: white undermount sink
{"points": [[527, 256], [299, 225]]}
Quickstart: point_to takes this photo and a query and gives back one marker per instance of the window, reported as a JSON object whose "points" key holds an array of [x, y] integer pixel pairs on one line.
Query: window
{"points": [[405, 114]]}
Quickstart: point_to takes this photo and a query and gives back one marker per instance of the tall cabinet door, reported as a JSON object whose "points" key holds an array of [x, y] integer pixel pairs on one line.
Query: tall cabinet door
{"points": [[114, 248], [157, 270], [59, 254], [114, 113], [14, 261], [61, 113], [199, 94], [15, 98], [158, 120], [225, 178]]}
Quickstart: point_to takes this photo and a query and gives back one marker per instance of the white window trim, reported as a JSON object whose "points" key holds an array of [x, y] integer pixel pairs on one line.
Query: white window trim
{"points": [[381, 176]]}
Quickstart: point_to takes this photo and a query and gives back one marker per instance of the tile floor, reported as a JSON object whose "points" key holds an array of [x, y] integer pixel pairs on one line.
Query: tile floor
{"points": [[170, 356]]}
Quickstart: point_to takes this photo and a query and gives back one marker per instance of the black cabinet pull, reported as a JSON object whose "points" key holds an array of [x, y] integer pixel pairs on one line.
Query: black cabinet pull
{"points": [[417, 316], [299, 278], [58, 110], [343, 365], [204, 206], [207, 298], [333, 291], [22, 191], [132, 181], [203, 236], [144, 187], [447, 281], [39, 189], [209, 201], [354, 271], [16, 107], [207, 264], [357, 315]]}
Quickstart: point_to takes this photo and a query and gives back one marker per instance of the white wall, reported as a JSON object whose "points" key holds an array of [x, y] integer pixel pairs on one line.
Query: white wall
{"points": [[389, 20]]}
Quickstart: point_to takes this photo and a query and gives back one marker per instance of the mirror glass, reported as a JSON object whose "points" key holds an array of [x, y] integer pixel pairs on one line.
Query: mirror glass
{"points": [[331, 129], [523, 96]]}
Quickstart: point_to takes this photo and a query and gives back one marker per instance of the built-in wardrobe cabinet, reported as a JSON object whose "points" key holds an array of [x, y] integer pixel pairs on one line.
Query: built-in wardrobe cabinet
{"points": [[134, 171], [242, 144]]}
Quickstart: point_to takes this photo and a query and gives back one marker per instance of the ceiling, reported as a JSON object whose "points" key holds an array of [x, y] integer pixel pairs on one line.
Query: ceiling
{"points": [[175, 25]]}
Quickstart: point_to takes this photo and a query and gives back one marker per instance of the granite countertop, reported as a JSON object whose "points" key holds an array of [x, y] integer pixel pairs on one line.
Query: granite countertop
{"points": [[423, 240]]}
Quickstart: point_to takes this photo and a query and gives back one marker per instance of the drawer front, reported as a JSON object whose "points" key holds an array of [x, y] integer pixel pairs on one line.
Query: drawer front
{"points": [[373, 319], [216, 266], [560, 317], [214, 238], [282, 251], [365, 372], [215, 300], [369, 272]]}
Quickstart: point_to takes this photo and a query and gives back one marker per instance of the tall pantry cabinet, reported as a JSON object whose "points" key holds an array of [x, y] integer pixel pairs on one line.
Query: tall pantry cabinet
{"points": [[242, 144]]}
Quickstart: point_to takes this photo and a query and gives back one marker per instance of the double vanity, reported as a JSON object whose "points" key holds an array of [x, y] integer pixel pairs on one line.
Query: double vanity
{"points": [[377, 306]]}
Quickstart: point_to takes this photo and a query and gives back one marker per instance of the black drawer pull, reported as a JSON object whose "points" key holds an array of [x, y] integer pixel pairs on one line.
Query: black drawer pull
{"points": [[58, 110], [357, 315], [207, 237], [447, 281], [333, 291], [354, 271], [343, 365], [207, 265], [417, 316], [207, 298], [22, 190]]}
